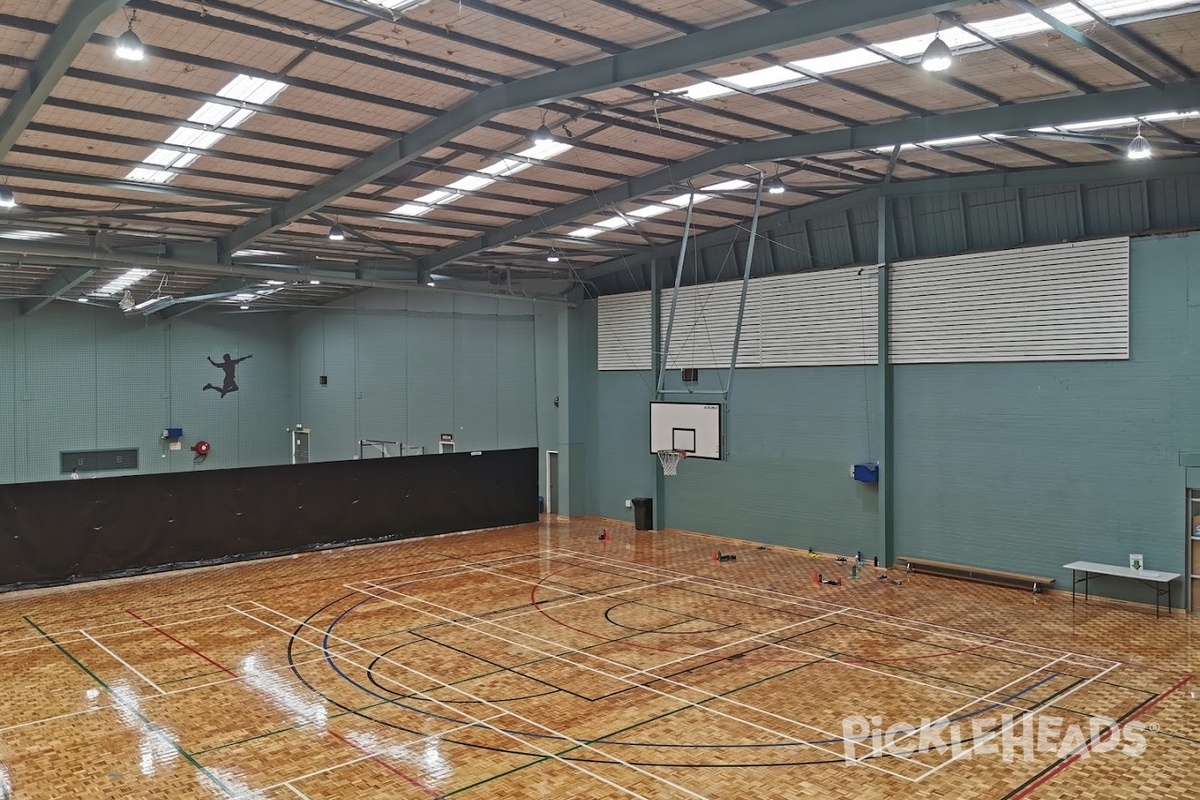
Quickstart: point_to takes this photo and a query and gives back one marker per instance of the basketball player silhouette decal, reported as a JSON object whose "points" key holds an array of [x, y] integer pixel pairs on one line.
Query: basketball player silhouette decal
{"points": [[230, 366]]}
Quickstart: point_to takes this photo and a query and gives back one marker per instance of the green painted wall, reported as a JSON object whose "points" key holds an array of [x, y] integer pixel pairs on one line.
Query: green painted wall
{"points": [[1030, 466], [1022, 466], [409, 367], [85, 378], [404, 367], [792, 436]]}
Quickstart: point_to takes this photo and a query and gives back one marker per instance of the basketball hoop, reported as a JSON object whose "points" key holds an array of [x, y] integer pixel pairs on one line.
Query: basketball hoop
{"points": [[670, 460]]}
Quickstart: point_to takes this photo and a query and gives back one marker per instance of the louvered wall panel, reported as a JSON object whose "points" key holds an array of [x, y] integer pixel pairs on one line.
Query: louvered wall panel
{"points": [[822, 318], [705, 323], [623, 332], [1065, 302]]}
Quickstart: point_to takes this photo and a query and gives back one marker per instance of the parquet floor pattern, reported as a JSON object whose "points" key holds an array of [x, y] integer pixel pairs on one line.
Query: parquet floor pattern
{"points": [[545, 662]]}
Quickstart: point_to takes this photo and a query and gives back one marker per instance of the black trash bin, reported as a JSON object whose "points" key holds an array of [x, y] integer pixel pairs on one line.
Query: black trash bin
{"points": [[643, 513]]}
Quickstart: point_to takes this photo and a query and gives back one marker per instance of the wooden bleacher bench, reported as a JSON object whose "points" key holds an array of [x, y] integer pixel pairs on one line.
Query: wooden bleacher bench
{"points": [[981, 574]]}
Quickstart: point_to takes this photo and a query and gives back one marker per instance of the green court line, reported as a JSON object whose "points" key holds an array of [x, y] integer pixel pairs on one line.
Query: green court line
{"points": [[133, 710], [626, 729]]}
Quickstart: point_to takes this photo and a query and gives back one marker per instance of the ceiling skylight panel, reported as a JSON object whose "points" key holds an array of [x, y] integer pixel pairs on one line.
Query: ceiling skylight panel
{"points": [[682, 200], [763, 77], [706, 91], [190, 137], [216, 116], [1116, 9], [546, 151], [30, 236], [1010, 27], [840, 62], [584, 233], [728, 186], [396, 5], [212, 114], [161, 158], [914, 46], [437, 197], [646, 212], [123, 282], [612, 223], [145, 175], [503, 168], [252, 90], [471, 183]]}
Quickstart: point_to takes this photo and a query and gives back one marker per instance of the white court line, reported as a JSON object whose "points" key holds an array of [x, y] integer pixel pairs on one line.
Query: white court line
{"points": [[126, 621], [570, 764], [297, 792], [364, 757], [66, 633], [893, 676], [521, 558], [866, 614], [1033, 712], [787, 738], [984, 699], [849, 611], [139, 629], [489, 620], [123, 663], [753, 638], [787, 646], [583, 598], [67, 715]]}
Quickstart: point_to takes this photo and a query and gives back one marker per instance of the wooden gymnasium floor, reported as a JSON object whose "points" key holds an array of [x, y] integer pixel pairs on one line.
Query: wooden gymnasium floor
{"points": [[541, 662]]}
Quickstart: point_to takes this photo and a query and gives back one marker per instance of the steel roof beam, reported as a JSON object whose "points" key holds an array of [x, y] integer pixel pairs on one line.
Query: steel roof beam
{"points": [[1093, 173], [220, 286], [1087, 42], [811, 21], [1137, 40], [69, 36], [1001, 119], [63, 281]]}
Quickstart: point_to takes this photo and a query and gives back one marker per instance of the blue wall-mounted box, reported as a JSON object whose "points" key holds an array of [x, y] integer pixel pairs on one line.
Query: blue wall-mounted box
{"points": [[866, 473], [173, 433]]}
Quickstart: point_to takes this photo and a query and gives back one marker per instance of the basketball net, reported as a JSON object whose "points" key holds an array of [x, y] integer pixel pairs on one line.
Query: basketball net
{"points": [[670, 461]]}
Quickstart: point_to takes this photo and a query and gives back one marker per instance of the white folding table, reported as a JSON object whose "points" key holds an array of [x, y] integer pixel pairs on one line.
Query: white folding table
{"points": [[1153, 579]]}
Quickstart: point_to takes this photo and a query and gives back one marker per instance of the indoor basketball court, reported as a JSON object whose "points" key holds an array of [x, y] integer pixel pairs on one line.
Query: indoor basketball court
{"points": [[546, 659], [595, 399]]}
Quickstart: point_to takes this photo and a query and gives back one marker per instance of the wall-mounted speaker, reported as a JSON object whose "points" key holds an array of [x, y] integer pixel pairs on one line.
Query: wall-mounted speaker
{"points": [[690, 374]]}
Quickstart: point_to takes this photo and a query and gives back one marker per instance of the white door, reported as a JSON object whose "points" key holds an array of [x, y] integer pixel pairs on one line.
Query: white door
{"points": [[551, 481]]}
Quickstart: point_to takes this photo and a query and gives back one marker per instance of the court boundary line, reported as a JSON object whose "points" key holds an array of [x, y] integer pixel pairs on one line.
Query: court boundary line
{"points": [[746, 640], [859, 613], [787, 738], [124, 663], [442, 685]]}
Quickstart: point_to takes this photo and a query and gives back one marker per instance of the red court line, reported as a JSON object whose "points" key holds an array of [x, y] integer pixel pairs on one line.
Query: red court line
{"points": [[385, 765], [1107, 733], [184, 645]]}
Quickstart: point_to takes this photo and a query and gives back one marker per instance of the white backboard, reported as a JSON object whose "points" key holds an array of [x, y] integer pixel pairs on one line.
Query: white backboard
{"points": [[694, 428]]}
